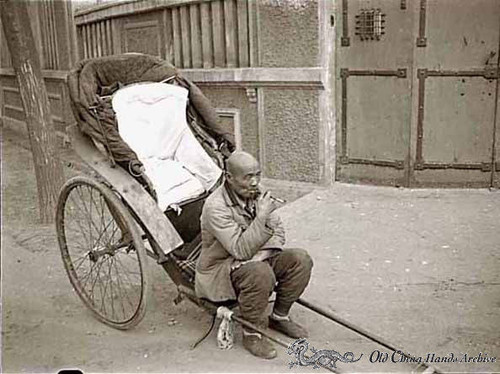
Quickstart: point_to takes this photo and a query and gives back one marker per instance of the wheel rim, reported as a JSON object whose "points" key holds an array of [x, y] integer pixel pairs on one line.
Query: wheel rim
{"points": [[100, 256]]}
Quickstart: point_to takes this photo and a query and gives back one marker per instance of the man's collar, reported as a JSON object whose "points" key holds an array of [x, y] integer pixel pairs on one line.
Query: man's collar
{"points": [[232, 199], [229, 195]]}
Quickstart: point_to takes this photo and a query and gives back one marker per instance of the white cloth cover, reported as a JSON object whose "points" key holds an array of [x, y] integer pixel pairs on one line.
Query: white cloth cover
{"points": [[152, 120], [225, 333]]}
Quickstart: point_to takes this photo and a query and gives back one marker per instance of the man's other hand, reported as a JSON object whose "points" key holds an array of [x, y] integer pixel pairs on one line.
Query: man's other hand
{"points": [[265, 205]]}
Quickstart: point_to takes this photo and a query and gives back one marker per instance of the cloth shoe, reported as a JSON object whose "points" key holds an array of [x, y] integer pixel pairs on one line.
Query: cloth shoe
{"points": [[259, 346], [288, 327]]}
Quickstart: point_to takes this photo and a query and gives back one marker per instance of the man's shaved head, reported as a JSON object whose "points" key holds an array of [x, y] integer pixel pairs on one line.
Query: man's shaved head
{"points": [[243, 174], [240, 161]]}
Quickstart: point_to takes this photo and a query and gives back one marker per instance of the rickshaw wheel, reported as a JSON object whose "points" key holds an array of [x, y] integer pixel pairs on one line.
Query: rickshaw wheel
{"points": [[103, 252]]}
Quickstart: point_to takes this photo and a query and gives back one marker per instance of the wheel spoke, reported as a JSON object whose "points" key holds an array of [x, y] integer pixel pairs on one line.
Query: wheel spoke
{"points": [[103, 294], [98, 240], [120, 282], [110, 281], [98, 277], [79, 223], [78, 248], [113, 264], [88, 275], [89, 217], [91, 222], [80, 261], [102, 226], [127, 271], [112, 236]]}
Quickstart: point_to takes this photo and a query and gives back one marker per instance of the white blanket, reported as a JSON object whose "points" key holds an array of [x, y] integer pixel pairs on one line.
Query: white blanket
{"points": [[152, 120]]}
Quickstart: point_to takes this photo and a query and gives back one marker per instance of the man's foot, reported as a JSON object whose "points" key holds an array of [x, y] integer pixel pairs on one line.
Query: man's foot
{"points": [[259, 346], [286, 326]]}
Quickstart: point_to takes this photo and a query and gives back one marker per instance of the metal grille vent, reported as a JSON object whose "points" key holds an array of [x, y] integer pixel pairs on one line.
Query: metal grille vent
{"points": [[370, 24]]}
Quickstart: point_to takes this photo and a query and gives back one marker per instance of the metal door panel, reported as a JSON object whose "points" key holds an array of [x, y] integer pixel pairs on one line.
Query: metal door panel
{"points": [[394, 48], [417, 107], [461, 33], [375, 130], [455, 86], [462, 133], [496, 171], [374, 90]]}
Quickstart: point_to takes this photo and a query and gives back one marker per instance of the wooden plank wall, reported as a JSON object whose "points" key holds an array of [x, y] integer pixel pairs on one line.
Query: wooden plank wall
{"points": [[53, 30], [95, 39], [209, 34]]}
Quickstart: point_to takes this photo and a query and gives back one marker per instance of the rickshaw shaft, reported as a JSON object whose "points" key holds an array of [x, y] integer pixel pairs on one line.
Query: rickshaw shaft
{"points": [[357, 329]]}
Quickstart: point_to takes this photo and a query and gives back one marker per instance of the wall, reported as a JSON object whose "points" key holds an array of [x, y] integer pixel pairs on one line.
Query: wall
{"points": [[260, 63], [289, 33]]}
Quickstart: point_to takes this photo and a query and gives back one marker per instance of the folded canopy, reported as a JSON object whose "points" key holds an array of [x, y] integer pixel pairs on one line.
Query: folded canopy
{"points": [[93, 78]]}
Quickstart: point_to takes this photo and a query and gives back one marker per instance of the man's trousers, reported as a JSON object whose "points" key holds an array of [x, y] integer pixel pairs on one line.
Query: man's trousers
{"points": [[287, 273]]}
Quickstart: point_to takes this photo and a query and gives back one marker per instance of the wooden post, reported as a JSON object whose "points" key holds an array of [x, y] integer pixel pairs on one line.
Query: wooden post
{"points": [[26, 63]]}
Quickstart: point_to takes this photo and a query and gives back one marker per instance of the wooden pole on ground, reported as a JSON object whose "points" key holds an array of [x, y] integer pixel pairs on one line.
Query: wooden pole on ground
{"points": [[25, 60]]}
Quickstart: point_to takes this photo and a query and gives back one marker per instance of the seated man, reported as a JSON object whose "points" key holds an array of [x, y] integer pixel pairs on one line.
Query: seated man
{"points": [[242, 256]]}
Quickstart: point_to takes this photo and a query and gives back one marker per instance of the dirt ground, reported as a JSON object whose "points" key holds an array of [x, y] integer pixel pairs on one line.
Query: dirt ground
{"points": [[419, 268]]}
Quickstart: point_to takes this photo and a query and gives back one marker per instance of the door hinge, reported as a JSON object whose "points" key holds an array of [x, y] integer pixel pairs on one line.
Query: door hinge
{"points": [[332, 20]]}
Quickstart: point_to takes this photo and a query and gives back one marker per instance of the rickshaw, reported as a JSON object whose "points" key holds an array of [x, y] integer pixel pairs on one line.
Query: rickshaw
{"points": [[109, 223]]}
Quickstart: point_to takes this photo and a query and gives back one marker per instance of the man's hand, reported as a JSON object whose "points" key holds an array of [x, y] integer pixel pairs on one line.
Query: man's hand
{"points": [[265, 205], [225, 149], [138, 171], [136, 168]]}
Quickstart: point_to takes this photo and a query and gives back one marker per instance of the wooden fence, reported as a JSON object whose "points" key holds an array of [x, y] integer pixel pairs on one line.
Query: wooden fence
{"points": [[54, 34], [208, 34]]}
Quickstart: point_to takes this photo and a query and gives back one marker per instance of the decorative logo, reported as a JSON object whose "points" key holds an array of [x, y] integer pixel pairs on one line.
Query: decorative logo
{"points": [[323, 357]]}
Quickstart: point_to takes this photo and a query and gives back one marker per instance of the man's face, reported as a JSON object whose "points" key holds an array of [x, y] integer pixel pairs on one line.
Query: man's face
{"points": [[245, 179]]}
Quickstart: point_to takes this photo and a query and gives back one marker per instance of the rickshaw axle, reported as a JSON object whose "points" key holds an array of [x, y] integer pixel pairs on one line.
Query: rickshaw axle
{"points": [[110, 250]]}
